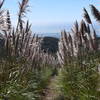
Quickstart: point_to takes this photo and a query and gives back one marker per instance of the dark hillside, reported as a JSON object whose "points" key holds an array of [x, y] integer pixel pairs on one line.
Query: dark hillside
{"points": [[98, 39], [1, 45], [50, 44]]}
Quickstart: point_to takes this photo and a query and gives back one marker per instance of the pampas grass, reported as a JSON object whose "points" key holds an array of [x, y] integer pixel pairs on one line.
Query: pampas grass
{"points": [[1, 3], [25, 69], [95, 12], [78, 56], [87, 17]]}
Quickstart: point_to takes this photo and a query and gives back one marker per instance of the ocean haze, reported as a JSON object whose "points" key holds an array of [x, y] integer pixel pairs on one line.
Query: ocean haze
{"points": [[51, 28], [55, 30]]}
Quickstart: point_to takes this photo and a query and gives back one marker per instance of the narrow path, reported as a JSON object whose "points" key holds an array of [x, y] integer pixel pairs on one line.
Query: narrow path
{"points": [[50, 91]]}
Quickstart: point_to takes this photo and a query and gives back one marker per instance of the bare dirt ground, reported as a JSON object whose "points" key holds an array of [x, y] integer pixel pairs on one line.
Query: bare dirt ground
{"points": [[50, 92]]}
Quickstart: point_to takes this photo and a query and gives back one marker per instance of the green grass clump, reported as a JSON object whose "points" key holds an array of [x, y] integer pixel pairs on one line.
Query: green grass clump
{"points": [[19, 83], [79, 82]]}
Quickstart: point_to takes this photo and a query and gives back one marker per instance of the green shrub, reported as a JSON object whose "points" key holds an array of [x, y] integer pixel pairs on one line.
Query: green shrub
{"points": [[79, 82]]}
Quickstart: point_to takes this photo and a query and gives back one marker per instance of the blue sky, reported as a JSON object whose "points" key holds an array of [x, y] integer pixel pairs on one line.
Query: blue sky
{"points": [[52, 15]]}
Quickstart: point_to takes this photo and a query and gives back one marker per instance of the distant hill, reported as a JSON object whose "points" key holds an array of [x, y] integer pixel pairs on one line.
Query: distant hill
{"points": [[55, 35], [50, 44]]}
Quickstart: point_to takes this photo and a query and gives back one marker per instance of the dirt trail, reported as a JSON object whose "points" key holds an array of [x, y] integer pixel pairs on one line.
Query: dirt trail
{"points": [[50, 92]]}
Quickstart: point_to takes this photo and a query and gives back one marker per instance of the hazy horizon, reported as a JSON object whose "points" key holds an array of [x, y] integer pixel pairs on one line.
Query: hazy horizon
{"points": [[52, 28]]}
